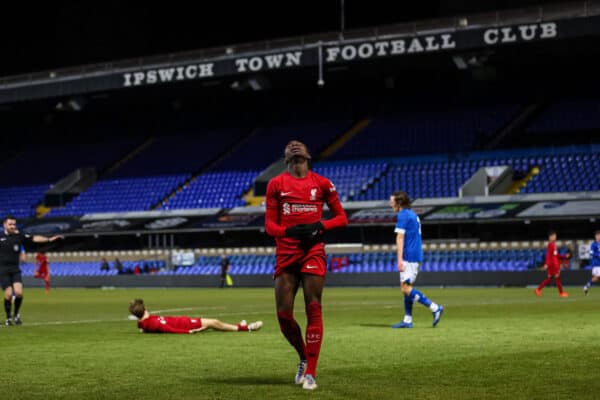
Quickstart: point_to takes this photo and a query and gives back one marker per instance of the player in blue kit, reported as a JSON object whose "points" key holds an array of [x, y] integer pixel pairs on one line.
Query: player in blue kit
{"points": [[595, 258], [410, 256]]}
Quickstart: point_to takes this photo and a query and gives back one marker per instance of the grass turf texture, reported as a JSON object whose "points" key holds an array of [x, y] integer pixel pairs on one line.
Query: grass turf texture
{"points": [[490, 344]]}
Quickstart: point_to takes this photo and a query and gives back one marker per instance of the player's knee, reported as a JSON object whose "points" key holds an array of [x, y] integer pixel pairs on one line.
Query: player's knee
{"points": [[285, 316], [286, 321], [210, 323], [312, 299]]}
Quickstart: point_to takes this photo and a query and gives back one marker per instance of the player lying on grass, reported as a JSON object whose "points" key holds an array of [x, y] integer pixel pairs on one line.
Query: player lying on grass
{"points": [[148, 323]]}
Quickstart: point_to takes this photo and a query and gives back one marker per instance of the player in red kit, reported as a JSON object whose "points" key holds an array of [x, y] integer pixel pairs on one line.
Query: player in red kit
{"points": [[552, 265], [42, 271], [148, 323], [294, 206]]}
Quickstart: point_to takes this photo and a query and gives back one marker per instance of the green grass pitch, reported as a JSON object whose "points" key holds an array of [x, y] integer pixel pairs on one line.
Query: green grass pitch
{"points": [[490, 344]]}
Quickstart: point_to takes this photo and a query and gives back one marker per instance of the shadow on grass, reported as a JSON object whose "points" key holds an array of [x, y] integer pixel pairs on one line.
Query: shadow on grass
{"points": [[376, 325]]}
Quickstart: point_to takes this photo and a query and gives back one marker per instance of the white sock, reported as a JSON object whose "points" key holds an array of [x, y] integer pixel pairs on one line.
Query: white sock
{"points": [[434, 307], [408, 319]]}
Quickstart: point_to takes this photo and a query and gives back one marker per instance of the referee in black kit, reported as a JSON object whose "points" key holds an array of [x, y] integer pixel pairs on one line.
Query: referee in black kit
{"points": [[11, 241]]}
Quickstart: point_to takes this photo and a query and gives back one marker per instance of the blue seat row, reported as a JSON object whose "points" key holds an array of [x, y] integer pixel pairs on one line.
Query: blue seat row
{"points": [[251, 264]]}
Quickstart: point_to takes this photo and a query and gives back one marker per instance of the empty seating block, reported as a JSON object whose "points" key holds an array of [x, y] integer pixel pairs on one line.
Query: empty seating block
{"points": [[352, 179], [131, 194], [266, 145], [171, 155], [426, 132], [60, 160], [568, 115], [20, 201], [216, 189], [443, 178], [566, 173]]}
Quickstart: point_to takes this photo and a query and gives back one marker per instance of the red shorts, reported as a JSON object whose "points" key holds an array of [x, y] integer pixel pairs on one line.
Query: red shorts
{"points": [[195, 323], [553, 271], [314, 262], [40, 275]]}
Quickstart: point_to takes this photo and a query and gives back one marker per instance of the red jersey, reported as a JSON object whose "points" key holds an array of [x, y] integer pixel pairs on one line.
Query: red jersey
{"points": [[42, 270], [160, 324], [552, 257], [291, 201]]}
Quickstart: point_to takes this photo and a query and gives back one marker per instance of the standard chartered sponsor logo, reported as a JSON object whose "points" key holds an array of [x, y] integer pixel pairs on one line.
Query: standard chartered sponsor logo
{"points": [[304, 208], [298, 208]]}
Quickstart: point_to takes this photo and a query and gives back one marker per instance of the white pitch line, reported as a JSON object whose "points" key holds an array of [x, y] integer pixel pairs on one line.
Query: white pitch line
{"points": [[341, 306], [75, 322]]}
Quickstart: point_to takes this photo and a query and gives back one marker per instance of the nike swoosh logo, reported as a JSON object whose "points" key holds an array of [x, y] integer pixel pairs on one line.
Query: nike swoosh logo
{"points": [[311, 267], [285, 193]]}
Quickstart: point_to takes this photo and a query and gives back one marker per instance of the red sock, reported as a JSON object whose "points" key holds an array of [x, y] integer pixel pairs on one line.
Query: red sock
{"points": [[559, 284], [47, 286], [545, 282], [243, 328], [291, 330], [314, 336]]}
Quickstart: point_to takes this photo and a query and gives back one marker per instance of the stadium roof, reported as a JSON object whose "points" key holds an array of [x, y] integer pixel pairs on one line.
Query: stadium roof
{"points": [[74, 33]]}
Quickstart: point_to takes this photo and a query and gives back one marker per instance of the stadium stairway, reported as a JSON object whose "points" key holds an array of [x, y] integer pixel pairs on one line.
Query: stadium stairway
{"points": [[520, 184], [252, 200], [344, 138], [516, 124], [207, 167], [129, 156], [41, 210]]}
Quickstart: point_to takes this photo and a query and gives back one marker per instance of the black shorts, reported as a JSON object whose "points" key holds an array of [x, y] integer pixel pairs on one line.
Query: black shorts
{"points": [[7, 278]]}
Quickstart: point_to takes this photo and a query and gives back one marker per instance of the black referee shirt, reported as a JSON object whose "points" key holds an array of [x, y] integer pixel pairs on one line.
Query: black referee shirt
{"points": [[10, 248]]}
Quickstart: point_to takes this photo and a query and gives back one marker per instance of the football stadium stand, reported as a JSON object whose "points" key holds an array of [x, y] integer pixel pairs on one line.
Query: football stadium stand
{"points": [[429, 154], [367, 262]]}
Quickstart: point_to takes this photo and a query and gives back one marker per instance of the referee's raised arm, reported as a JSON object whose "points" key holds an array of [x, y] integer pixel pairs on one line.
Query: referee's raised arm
{"points": [[45, 239]]}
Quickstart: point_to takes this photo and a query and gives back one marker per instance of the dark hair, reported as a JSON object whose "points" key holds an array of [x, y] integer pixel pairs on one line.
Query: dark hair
{"points": [[137, 308], [6, 218], [551, 232], [597, 232], [401, 198], [296, 148]]}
